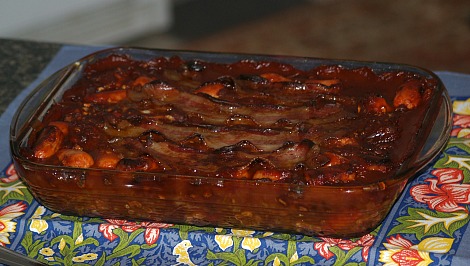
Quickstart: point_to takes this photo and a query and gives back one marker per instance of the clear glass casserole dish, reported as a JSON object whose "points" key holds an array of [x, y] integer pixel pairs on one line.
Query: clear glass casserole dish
{"points": [[339, 210]]}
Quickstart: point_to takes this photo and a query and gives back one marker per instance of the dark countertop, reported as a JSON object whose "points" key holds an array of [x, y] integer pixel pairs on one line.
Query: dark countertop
{"points": [[431, 34], [20, 64]]}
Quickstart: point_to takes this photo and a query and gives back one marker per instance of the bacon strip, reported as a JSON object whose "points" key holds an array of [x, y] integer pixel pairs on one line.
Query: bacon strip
{"points": [[214, 137], [216, 112], [229, 160]]}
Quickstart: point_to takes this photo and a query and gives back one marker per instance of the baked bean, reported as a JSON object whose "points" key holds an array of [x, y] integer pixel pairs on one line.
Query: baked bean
{"points": [[75, 158], [48, 143], [408, 95]]}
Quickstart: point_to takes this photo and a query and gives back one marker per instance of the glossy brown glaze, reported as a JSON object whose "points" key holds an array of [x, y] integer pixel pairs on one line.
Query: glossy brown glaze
{"points": [[246, 120]]}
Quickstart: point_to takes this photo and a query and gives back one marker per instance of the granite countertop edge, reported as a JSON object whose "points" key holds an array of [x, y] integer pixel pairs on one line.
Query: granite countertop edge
{"points": [[21, 62]]}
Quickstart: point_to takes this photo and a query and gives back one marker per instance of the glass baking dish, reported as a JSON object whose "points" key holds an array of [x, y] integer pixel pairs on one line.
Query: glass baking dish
{"points": [[333, 210]]}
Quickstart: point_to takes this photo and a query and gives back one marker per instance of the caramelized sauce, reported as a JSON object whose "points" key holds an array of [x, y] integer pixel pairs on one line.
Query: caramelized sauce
{"points": [[263, 121]]}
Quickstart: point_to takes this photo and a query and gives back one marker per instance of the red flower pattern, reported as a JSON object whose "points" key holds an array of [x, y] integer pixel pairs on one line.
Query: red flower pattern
{"points": [[323, 247], [11, 175], [455, 132], [445, 193], [152, 230], [461, 120], [399, 241], [405, 256], [366, 242], [7, 226]]}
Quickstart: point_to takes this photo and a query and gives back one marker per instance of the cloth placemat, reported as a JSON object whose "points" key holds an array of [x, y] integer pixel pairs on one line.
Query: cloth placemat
{"points": [[427, 226]]}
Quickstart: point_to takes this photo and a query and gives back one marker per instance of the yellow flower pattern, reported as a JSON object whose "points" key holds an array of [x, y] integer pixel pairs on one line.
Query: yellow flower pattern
{"points": [[46, 252], [436, 245], [85, 257], [294, 257], [463, 133], [79, 239], [249, 242], [461, 107], [224, 241], [38, 225], [62, 244]]}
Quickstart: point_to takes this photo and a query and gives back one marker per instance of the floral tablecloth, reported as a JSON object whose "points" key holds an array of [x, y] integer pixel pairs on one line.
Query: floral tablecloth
{"points": [[427, 226]]}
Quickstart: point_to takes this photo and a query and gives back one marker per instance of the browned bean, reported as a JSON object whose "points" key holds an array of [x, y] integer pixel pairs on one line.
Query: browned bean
{"points": [[105, 159], [48, 142], [408, 95], [75, 158]]}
